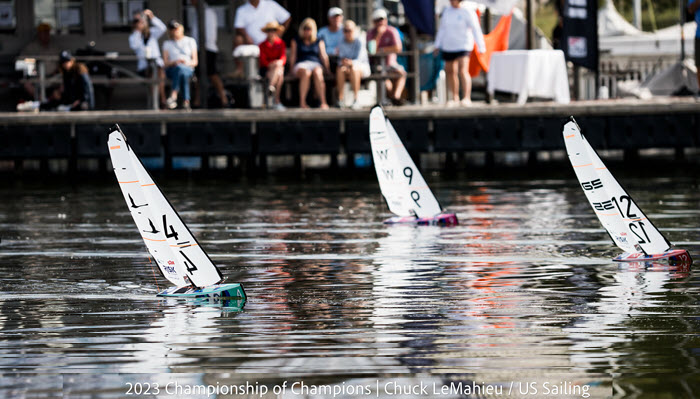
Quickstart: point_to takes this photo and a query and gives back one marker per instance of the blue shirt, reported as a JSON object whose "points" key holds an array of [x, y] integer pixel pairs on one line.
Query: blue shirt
{"points": [[697, 20], [331, 39]]}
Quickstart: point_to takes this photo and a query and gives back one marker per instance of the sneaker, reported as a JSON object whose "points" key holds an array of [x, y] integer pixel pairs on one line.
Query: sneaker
{"points": [[186, 105], [466, 102], [355, 105], [171, 103], [397, 101], [279, 107]]}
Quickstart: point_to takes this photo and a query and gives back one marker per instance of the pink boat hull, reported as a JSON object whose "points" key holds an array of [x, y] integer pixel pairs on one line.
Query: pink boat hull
{"points": [[676, 256], [443, 219]]}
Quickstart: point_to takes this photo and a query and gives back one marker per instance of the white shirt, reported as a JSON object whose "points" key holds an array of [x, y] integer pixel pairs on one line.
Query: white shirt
{"points": [[252, 19], [181, 49], [458, 30], [142, 49], [211, 27]]}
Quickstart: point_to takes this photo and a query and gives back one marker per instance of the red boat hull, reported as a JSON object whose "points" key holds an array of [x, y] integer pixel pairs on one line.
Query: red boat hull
{"points": [[676, 256], [443, 219]]}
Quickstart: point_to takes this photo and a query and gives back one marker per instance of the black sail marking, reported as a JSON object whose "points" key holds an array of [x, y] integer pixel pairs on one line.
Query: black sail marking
{"points": [[133, 204], [153, 228]]}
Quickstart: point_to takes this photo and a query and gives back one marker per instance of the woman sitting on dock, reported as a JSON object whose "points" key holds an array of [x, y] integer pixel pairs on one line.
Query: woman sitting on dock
{"points": [[353, 63], [309, 58], [180, 58], [78, 93]]}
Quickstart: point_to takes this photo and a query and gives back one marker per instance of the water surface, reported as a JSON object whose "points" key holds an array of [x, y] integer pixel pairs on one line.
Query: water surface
{"points": [[523, 289]]}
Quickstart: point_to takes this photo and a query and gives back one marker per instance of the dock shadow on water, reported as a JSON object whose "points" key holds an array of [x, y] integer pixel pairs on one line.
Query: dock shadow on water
{"points": [[522, 290]]}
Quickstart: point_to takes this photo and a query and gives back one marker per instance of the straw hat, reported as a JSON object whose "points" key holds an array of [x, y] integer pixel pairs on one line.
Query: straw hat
{"points": [[272, 26]]}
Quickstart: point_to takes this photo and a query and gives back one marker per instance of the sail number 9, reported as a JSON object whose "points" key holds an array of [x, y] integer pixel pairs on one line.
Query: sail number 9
{"points": [[415, 197], [408, 172]]}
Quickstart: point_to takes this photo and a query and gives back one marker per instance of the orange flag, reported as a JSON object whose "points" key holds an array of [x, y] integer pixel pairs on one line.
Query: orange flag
{"points": [[496, 40]]}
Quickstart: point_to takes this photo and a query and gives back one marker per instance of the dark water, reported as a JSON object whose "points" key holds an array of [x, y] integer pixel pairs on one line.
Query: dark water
{"points": [[523, 290]]}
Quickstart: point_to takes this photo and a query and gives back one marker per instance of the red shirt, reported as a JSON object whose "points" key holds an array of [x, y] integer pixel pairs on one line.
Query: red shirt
{"points": [[270, 52]]}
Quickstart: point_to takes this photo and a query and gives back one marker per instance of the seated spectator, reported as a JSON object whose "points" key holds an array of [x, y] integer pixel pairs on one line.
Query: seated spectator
{"points": [[388, 43], [273, 56], [332, 34], [77, 93], [309, 57], [353, 64], [180, 58], [146, 30], [250, 19], [459, 28]]}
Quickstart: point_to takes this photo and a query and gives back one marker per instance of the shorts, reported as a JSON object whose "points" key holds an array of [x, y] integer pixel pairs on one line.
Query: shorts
{"points": [[211, 64], [453, 55], [363, 67], [308, 65]]}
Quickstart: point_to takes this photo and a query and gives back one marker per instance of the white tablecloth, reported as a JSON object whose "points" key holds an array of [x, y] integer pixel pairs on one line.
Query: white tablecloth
{"points": [[530, 73]]}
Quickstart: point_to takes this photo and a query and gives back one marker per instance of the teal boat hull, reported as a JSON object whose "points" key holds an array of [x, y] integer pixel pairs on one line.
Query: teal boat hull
{"points": [[216, 292]]}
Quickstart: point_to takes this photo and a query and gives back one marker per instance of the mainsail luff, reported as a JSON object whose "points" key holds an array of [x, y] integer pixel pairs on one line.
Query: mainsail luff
{"points": [[629, 228], [400, 181]]}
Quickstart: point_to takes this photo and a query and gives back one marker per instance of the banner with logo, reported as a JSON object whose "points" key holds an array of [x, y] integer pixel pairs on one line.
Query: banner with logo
{"points": [[579, 39]]}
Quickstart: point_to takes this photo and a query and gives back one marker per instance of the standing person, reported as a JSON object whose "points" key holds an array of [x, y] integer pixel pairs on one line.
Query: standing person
{"points": [[210, 45], [273, 56], [459, 28], [309, 57], [693, 8], [250, 19], [387, 41], [332, 34], [146, 30], [180, 58], [77, 94], [353, 63]]}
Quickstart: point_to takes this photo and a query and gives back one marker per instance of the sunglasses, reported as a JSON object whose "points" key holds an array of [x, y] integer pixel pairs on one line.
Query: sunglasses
{"points": [[378, 20], [307, 28], [347, 30]]}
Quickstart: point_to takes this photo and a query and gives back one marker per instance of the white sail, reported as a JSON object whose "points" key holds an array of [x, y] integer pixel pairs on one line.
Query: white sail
{"points": [[171, 243], [401, 183], [625, 222]]}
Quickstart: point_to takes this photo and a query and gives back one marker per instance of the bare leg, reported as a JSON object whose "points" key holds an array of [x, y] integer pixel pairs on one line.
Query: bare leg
{"points": [[320, 86], [161, 85], [465, 79], [219, 87], [399, 85], [304, 81], [275, 76], [340, 82], [451, 72], [355, 78]]}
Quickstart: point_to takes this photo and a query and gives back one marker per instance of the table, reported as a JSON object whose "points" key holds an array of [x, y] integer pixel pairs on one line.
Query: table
{"points": [[530, 73]]}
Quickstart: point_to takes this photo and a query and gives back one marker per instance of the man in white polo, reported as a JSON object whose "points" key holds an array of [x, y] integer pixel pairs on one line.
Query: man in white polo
{"points": [[250, 19]]}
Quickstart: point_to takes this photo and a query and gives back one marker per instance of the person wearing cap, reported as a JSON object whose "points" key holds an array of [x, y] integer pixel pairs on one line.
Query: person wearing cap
{"points": [[309, 58], [146, 30], [459, 29], [353, 63], [249, 21], [332, 34], [273, 56], [388, 44], [210, 45], [77, 92], [180, 58]]}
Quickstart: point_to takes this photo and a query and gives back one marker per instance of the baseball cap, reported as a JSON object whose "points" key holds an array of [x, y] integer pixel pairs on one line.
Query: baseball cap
{"points": [[379, 13], [334, 11], [65, 56]]}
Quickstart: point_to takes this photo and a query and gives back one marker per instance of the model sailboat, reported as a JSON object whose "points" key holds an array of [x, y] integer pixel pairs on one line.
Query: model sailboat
{"points": [[626, 224], [177, 253], [402, 185]]}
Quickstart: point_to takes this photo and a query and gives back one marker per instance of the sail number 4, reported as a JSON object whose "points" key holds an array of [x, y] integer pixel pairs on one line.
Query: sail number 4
{"points": [[171, 233]]}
